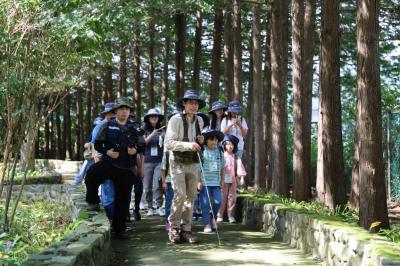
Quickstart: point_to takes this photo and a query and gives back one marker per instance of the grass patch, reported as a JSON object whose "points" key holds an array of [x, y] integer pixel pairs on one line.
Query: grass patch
{"points": [[37, 224], [37, 177]]}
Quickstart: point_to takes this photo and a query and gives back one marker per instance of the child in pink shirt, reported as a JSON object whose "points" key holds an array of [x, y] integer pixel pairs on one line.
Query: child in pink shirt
{"points": [[233, 171]]}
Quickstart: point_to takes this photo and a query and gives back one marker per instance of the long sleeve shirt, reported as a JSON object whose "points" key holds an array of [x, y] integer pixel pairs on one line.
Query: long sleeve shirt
{"points": [[175, 133], [230, 167]]}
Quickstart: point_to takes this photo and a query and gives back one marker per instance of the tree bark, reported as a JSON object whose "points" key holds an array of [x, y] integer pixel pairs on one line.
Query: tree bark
{"points": [[259, 149], [79, 126], [180, 28], [228, 53], [136, 75], [122, 72], [150, 93], [95, 97], [108, 82], [89, 122], [354, 199], [216, 55], [60, 151], [279, 97], [301, 108], [67, 128], [47, 136], [197, 50], [373, 205], [330, 175], [165, 81], [237, 50], [266, 116]]}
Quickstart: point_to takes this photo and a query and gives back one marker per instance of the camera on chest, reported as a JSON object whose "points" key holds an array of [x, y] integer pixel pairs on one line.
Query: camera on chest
{"points": [[134, 134]]}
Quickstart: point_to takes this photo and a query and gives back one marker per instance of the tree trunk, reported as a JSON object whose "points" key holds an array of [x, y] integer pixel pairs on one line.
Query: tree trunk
{"points": [[89, 122], [122, 72], [67, 128], [197, 50], [330, 175], [228, 53], [150, 93], [180, 28], [60, 151], [259, 148], [136, 75], [47, 136], [79, 126], [279, 97], [266, 116], [248, 144], [108, 82], [95, 97], [216, 55], [373, 205], [302, 141], [165, 81], [354, 199], [237, 50]]}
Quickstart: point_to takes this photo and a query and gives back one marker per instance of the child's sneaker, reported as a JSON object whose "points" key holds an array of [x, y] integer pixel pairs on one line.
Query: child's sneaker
{"points": [[207, 228], [160, 211], [150, 212], [232, 220], [220, 220]]}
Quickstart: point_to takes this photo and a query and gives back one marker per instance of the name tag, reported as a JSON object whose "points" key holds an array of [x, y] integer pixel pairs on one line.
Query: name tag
{"points": [[228, 178], [154, 151], [213, 166]]}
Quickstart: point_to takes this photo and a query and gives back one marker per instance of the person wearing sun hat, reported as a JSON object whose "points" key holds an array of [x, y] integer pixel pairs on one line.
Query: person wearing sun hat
{"points": [[119, 163], [212, 178], [217, 113], [183, 140], [234, 124], [234, 172], [152, 193]]}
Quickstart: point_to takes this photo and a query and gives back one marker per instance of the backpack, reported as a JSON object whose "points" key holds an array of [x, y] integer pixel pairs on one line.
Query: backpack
{"points": [[187, 157]]}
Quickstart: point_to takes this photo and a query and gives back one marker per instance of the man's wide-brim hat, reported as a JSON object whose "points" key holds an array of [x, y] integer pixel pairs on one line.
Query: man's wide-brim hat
{"points": [[122, 102], [233, 139], [153, 112], [234, 106], [217, 106], [208, 133], [109, 107], [190, 95]]}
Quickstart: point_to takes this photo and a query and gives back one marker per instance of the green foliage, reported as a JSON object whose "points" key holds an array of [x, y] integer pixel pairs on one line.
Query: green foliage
{"points": [[393, 234], [37, 225]]}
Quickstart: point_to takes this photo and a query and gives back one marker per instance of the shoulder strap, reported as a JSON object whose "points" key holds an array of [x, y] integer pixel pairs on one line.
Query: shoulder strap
{"points": [[166, 162], [198, 131], [185, 127]]}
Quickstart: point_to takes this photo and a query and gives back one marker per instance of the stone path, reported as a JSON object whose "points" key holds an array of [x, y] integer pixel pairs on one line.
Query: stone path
{"points": [[148, 245]]}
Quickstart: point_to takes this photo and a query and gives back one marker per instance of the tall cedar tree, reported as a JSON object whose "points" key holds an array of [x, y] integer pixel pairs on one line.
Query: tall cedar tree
{"points": [[89, 122], [279, 53], [122, 72], [237, 49], [180, 28], [266, 115], [79, 125], [165, 81], [228, 52], [330, 175], [197, 50], [60, 151], [150, 93], [136, 74], [373, 206], [259, 150], [95, 97], [216, 54], [67, 145]]}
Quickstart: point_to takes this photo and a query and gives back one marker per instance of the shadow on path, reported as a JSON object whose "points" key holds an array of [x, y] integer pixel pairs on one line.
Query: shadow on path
{"points": [[148, 245]]}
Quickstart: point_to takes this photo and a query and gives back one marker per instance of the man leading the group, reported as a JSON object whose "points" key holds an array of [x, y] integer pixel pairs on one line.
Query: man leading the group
{"points": [[118, 141], [183, 139]]}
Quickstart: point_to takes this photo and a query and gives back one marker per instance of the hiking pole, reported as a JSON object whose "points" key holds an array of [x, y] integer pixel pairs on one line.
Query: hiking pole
{"points": [[209, 200]]}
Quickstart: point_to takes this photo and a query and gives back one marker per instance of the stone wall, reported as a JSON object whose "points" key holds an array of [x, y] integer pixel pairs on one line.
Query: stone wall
{"points": [[88, 244], [333, 242]]}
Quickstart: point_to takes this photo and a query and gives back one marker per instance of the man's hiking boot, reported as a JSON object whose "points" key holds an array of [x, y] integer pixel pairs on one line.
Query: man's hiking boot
{"points": [[174, 235], [121, 235], [93, 207], [188, 237], [136, 215]]}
